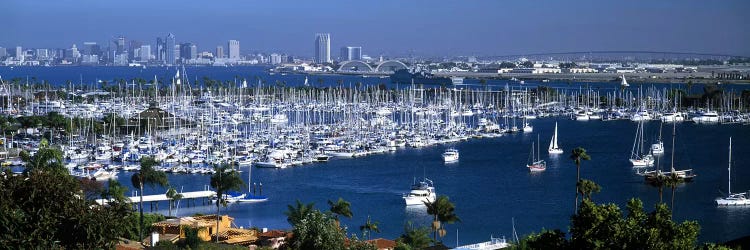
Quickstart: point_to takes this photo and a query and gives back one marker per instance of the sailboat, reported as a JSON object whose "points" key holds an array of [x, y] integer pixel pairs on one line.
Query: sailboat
{"points": [[685, 175], [637, 158], [738, 199], [624, 83], [251, 197], [537, 164], [553, 148]]}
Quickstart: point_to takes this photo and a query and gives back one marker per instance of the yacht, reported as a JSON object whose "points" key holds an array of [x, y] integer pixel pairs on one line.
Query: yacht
{"points": [[553, 147], [537, 164], [673, 117], [707, 117], [739, 199], [582, 116], [450, 155], [420, 193]]}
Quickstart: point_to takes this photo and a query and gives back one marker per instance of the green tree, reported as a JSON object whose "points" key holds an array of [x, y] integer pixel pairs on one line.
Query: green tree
{"points": [[46, 159], [173, 196], [587, 187], [369, 227], [577, 155], [317, 231], [658, 182], [415, 238], [295, 214], [340, 207], [224, 180], [443, 211], [147, 175]]}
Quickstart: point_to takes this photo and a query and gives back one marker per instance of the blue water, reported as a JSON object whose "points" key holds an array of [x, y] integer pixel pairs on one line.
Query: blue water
{"points": [[490, 184]]}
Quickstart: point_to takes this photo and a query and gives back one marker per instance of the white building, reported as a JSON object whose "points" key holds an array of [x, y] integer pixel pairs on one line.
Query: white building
{"points": [[275, 59], [19, 53], [145, 53], [234, 49], [322, 48], [535, 71]]}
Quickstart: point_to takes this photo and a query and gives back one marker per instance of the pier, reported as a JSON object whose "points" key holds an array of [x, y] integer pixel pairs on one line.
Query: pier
{"points": [[155, 198]]}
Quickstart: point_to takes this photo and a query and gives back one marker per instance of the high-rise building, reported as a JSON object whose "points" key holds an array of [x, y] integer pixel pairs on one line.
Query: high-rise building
{"points": [[351, 53], [19, 53], [188, 51], [145, 53], [234, 49], [42, 54], [323, 48], [3, 52], [159, 50], [219, 51], [169, 49], [120, 45], [275, 59], [92, 48], [133, 45]]}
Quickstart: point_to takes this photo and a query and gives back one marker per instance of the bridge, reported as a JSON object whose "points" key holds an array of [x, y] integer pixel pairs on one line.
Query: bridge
{"points": [[362, 66]]}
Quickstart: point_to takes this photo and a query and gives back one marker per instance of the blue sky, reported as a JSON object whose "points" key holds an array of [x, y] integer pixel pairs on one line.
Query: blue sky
{"points": [[390, 27]]}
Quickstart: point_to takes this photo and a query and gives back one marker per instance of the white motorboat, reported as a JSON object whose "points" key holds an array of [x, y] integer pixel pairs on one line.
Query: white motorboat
{"points": [[527, 128], [658, 147], [421, 192], [739, 199], [553, 147], [673, 117], [103, 175], [230, 197], [707, 117], [450, 155], [582, 116]]}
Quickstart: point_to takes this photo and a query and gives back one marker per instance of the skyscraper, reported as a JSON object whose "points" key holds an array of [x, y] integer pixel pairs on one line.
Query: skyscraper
{"points": [[19, 53], [159, 50], [3, 52], [323, 48], [188, 51], [234, 49], [145, 54], [219, 51], [169, 49], [351, 53], [120, 45], [91, 48]]}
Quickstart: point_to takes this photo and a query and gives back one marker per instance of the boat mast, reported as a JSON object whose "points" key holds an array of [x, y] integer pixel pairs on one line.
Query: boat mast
{"points": [[729, 178], [674, 132]]}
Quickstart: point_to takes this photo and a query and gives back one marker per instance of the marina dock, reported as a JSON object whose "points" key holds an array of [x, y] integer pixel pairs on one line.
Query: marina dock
{"points": [[188, 196]]}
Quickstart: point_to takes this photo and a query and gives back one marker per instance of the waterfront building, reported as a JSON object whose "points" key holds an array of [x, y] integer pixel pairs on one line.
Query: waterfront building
{"points": [[92, 48], [322, 48], [169, 49], [73, 54], [133, 49], [188, 51], [276, 59], [19, 53], [120, 45], [145, 53], [159, 51], [3, 52], [219, 51], [349, 53], [234, 49], [90, 59], [42, 54]]}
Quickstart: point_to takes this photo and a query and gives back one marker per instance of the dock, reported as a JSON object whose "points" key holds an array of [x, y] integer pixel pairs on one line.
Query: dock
{"points": [[155, 198]]}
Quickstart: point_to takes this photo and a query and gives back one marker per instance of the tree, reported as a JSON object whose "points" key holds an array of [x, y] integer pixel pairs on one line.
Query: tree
{"points": [[672, 181], [587, 187], [340, 207], [173, 196], [577, 155], [147, 175], [415, 238], [223, 181], [443, 211], [316, 230], [46, 159], [658, 182], [296, 213], [369, 227]]}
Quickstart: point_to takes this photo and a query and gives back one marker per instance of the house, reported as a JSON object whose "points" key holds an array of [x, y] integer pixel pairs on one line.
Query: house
{"points": [[273, 239], [383, 244], [174, 229]]}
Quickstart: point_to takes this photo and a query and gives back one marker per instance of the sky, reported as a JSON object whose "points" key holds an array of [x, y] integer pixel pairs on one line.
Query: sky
{"points": [[390, 27]]}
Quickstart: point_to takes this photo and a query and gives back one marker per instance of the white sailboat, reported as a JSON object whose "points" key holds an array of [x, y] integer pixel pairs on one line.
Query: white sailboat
{"points": [[553, 148], [251, 197], [637, 158], [738, 199], [624, 83], [537, 164]]}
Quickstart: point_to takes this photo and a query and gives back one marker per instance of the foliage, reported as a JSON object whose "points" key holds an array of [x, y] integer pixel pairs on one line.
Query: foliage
{"points": [[45, 210], [317, 231], [223, 181], [369, 227], [587, 187], [295, 214], [147, 176], [415, 238], [356, 244], [132, 222], [340, 207], [191, 237], [46, 159], [443, 211], [173, 196]]}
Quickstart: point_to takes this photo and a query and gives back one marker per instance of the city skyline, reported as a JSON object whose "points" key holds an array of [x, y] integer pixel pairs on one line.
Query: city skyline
{"points": [[396, 28]]}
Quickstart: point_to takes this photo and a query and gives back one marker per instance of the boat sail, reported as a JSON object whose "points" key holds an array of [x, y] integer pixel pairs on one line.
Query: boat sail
{"points": [[553, 148], [738, 199], [624, 83], [637, 158], [537, 164]]}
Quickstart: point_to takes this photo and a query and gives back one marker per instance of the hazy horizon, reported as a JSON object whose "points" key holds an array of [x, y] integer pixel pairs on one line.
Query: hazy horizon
{"points": [[425, 28]]}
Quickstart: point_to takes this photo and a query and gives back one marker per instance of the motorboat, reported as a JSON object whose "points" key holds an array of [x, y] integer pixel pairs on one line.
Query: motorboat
{"points": [[420, 193], [707, 117], [450, 155]]}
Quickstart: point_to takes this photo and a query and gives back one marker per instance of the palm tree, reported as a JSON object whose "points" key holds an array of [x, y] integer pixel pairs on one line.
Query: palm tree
{"points": [[577, 155], [659, 182], [443, 211], [588, 187], [223, 181], [369, 227], [417, 238], [295, 214], [173, 196], [672, 181], [147, 176], [340, 207], [115, 191]]}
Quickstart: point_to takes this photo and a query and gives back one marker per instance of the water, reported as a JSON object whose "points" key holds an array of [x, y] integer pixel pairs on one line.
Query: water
{"points": [[490, 184]]}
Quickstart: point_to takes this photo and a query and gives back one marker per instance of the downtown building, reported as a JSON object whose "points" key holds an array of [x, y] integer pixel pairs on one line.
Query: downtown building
{"points": [[233, 46], [351, 53], [323, 48]]}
